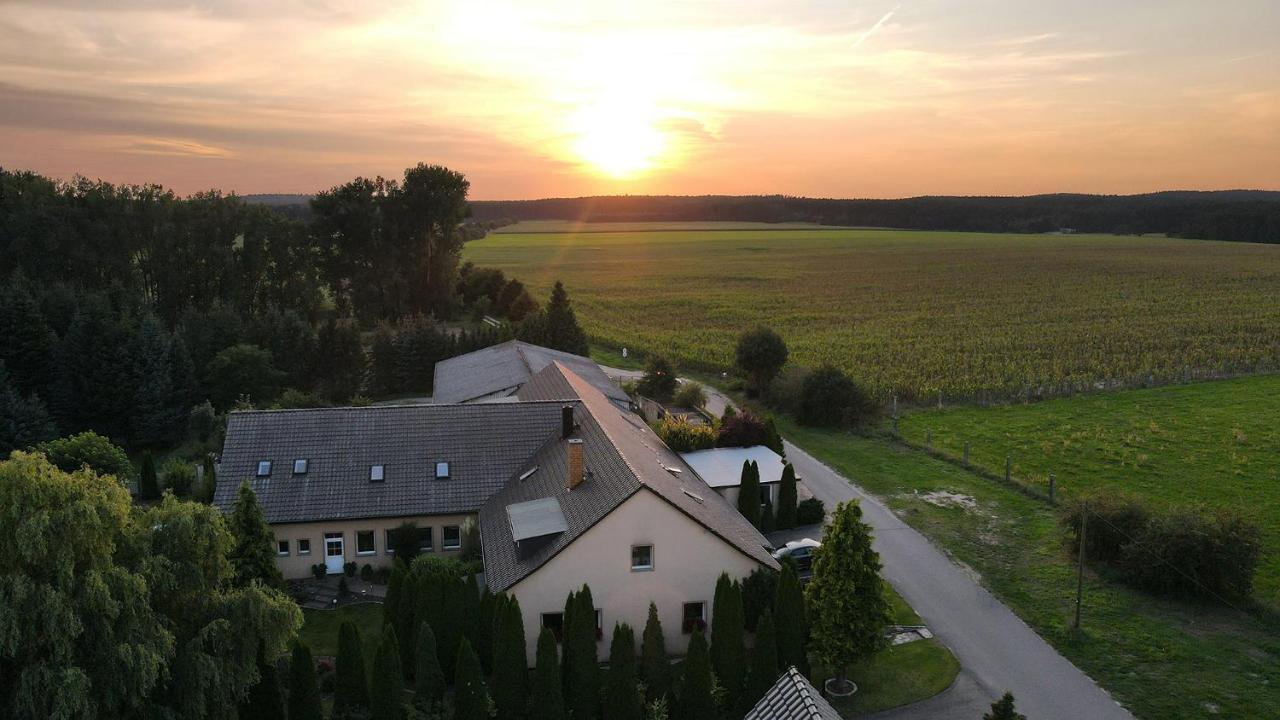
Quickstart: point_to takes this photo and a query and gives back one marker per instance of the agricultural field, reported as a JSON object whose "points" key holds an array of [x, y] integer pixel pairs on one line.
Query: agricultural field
{"points": [[568, 226], [1213, 443], [969, 315]]}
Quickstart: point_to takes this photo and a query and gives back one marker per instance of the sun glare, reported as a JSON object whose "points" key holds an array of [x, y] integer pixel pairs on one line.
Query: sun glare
{"points": [[617, 139]]}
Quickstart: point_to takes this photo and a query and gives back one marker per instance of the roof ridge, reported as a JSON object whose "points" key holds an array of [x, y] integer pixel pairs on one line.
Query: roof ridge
{"points": [[401, 406]]}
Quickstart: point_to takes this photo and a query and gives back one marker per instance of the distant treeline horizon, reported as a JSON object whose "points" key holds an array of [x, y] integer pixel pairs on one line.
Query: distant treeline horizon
{"points": [[1234, 215]]}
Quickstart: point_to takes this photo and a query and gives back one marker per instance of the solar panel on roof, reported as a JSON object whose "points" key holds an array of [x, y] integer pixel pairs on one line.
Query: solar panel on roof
{"points": [[536, 518]]}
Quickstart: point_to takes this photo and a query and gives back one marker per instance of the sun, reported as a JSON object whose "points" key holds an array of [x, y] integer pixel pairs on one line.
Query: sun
{"points": [[617, 138]]}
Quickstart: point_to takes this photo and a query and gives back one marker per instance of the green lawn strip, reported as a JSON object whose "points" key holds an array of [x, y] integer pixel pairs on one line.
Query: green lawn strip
{"points": [[1161, 659], [1216, 443], [320, 628], [900, 613], [896, 676], [612, 357]]}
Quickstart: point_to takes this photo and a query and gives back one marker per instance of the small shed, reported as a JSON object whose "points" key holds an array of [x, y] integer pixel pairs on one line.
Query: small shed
{"points": [[721, 468]]}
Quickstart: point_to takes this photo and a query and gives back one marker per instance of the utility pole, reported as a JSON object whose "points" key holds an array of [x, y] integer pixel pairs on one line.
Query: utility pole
{"points": [[1084, 526]]}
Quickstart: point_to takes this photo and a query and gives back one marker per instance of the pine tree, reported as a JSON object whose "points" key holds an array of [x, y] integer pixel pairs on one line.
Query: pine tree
{"points": [[351, 684], [1002, 709], [24, 420], [583, 668], [696, 699], [846, 595], [561, 325], [265, 700], [728, 655], [471, 697], [655, 670], [749, 493], [511, 694], [547, 696], [787, 498], [386, 691], [304, 689], [29, 343], [622, 697], [566, 622], [791, 621], [156, 419], [209, 480], [767, 523], [764, 663], [253, 556], [488, 619], [429, 685], [148, 483]]}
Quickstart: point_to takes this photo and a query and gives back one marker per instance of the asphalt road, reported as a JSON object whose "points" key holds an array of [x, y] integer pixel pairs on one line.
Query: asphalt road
{"points": [[996, 650]]}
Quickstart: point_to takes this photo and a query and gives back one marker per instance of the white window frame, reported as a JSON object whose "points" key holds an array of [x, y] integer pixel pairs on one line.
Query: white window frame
{"points": [[308, 542], [641, 568], [444, 538], [377, 473], [304, 463], [429, 533], [264, 468], [285, 545], [373, 536], [386, 542]]}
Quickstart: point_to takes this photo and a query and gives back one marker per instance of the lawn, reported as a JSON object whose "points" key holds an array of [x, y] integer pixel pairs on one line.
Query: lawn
{"points": [[969, 315], [320, 628], [1161, 659], [1216, 443]]}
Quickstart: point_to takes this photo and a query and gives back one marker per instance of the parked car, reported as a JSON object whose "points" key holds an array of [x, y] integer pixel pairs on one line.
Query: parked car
{"points": [[801, 553]]}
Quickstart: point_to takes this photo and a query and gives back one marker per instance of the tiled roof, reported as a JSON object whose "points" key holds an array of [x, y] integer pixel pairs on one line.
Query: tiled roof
{"points": [[501, 370], [623, 456], [792, 697], [484, 444]]}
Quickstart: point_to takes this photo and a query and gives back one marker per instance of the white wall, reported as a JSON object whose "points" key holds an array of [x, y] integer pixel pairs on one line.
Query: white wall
{"points": [[687, 560]]}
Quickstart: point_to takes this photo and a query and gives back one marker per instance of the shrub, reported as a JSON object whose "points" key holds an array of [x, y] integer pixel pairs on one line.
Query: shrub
{"points": [[659, 380], [349, 569], [760, 354], [784, 392], [293, 398], [829, 397], [1189, 553], [366, 573], [758, 592], [743, 429], [690, 395], [318, 571], [810, 512], [179, 476], [682, 436], [382, 575], [91, 450], [1119, 516], [203, 421]]}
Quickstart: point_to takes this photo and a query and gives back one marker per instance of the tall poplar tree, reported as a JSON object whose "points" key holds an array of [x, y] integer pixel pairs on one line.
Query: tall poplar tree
{"points": [[547, 694], [471, 696], [511, 693], [764, 663], [386, 689], [786, 517], [728, 654], [304, 688], [749, 493], [351, 683], [429, 685], [696, 699], [655, 670], [622, 700], [791, 621]]}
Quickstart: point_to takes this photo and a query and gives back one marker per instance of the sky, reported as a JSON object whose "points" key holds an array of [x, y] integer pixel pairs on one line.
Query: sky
{"points": [[552, 99]]}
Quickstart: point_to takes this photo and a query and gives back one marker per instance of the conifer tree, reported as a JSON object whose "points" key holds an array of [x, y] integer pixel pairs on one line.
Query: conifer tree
{"points": [[304, 688], [470, 618], [253, 555], [622, 697], [488, 619], [791, 621], [407, 617], [24, 419], [511, 693], [351, 684], [566, 622], [655, 670], [583, 696], [696, 699], [471, 697], [749, 493], [786, 518], [209, 480], [429, 685], [547, 696], [767, 522], [764, 663], [386, 691], [1002, 709], [148, 483], [728, 655], [448, 628], [264, 701]]}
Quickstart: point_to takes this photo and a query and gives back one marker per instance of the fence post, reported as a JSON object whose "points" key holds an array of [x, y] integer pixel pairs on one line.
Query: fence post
{"points": [[928, 439], [1008, 467], [1052, 482], [895, 424], [1080, 552], [966, 452], [895, 407], [939, 399]]}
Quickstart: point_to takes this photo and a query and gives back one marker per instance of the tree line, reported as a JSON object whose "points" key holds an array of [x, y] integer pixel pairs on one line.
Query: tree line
{"points": [[1238, 215]]}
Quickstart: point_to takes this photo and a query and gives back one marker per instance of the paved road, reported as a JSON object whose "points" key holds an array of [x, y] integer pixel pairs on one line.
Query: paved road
{"points": [[997, 651]]}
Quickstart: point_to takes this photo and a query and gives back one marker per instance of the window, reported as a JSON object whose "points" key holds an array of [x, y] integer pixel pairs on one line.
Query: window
{"points": [[599, 624], [304, 546], [425, 542], [282, 547], [364, 542], [300, 466], [641, 557], [452, 538], [555, 623], [442, 471], [766, 495], [264, 468], [387, 548], [694, 617], [375, 473]]}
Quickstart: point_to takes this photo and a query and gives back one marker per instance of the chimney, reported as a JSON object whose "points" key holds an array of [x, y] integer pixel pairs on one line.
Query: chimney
{"points": [[566, 422], [575, 463]]}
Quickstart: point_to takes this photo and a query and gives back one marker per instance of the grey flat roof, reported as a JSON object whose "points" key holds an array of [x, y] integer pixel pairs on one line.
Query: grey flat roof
{"points": [[500, 370], [536, 518], [722, 467]]}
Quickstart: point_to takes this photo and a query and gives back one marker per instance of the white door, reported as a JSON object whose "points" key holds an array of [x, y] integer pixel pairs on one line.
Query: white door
{"points": [[333, 554]]}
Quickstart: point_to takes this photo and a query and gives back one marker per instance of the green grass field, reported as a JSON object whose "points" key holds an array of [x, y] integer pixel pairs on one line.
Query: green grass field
{"points": [[1216, 443], [916, 313], [1162, 659]]}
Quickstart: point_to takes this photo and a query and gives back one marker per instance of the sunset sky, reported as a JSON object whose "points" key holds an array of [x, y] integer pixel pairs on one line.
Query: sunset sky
{"points": [[838, 99]]}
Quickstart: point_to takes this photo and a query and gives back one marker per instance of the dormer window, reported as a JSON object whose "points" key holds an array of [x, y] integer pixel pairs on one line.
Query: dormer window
{"points": [[375, 473], [442, 471], [264, 468], [300, 466]]}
